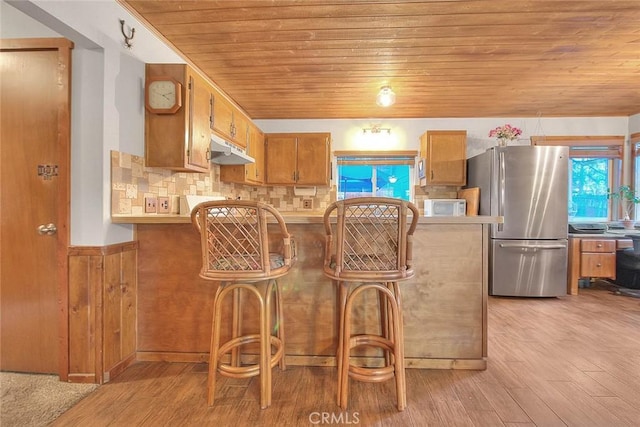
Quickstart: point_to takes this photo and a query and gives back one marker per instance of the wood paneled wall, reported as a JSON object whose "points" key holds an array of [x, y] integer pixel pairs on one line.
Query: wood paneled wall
{"points": [[102, 311], [444, 304]]}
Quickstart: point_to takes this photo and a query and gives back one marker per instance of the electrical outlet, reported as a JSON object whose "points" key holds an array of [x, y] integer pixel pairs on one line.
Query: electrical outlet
{"points": [[150, 204], [163, 205], [307, 203]]}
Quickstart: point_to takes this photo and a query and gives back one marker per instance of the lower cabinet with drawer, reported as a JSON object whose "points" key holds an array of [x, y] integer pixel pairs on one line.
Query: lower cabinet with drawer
{"points": [[598, 258]]}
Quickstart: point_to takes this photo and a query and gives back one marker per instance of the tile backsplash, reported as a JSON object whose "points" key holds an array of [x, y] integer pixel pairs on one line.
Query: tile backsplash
{"points": [[132, 182], [433, 192]]}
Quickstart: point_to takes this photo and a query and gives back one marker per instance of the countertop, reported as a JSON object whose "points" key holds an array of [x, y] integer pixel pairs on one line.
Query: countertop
{"points": [[299, 218], [609, 234]]}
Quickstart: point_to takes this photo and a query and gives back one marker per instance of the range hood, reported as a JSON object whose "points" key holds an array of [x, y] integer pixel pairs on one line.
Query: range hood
{"points": [[225, 153]]}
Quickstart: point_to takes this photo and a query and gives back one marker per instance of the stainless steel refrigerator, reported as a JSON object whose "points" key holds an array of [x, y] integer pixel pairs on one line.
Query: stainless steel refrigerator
{"points": [[527, 185]]}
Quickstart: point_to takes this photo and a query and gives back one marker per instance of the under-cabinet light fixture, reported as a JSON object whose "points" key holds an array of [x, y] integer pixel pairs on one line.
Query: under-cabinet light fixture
{"points": [[386, 97]]}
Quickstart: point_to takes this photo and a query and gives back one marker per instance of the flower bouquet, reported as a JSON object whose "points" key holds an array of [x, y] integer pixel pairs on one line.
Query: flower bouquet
{"points": [[505, 134]]}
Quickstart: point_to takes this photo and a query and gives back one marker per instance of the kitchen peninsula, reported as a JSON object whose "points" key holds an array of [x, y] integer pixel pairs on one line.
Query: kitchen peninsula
{"points": [[445, 304]]}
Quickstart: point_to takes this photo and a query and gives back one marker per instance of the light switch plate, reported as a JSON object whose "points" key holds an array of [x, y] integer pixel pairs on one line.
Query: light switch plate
{"points": [[163, 205], [150, 204]]}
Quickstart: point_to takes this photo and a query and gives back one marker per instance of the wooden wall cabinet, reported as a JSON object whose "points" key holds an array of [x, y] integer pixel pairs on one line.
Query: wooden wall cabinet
{"points": [[180, 141], [445, 154], [229, 122], [250, 173], [222, 117], [241, 128], [256, 171], [103, 291], [298, 158]]}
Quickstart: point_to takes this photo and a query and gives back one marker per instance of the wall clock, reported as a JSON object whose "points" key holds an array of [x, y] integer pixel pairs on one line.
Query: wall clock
{"points": [[163, 95]]}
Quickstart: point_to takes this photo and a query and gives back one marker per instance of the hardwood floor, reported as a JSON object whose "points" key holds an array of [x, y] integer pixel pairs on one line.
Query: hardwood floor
{"points": [[570, 361]]}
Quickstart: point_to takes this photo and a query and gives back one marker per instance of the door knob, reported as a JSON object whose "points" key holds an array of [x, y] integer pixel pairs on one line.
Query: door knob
{"points": [[49, 229]]}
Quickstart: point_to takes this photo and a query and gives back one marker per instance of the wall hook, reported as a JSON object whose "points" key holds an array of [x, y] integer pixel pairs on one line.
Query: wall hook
{"points": [[127, 39]]}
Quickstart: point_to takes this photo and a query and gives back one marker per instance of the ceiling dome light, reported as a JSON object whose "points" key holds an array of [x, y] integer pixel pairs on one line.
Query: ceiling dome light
{"points": [[386, 97]]}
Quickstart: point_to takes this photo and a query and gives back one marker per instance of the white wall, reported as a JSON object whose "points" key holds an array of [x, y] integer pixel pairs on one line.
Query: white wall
{"points": [[87, 123], [15, 24], [634, 124]]}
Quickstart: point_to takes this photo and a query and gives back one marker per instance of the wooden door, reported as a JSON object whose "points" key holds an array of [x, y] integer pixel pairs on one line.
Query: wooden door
{"points": [[446, 157], [257, 146], [313, 159], [200, 105], [241, 130], [222, 116], [252, 173], [34, 171], [280, 158]]}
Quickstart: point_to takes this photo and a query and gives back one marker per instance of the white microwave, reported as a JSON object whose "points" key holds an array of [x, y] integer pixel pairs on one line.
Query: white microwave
{"points": [[445, 207]]}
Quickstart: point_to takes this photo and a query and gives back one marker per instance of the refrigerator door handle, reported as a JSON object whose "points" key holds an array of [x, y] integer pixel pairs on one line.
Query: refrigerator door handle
{"points": [[501, 187], [515, 245]]}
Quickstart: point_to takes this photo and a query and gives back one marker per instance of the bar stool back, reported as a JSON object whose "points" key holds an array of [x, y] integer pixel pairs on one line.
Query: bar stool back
{"points": [[236, 252], [370, 244]]}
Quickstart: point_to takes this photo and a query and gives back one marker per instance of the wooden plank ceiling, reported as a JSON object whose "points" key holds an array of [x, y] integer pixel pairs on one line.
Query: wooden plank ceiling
{"points": [[313, 59]]}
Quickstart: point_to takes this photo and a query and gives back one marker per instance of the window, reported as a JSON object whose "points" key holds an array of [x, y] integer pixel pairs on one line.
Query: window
{"points": [[588, 189], [595, 169], [384, 174], [635, 166]]}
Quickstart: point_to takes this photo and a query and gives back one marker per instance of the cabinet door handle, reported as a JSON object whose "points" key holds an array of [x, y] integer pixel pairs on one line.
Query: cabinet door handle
{"points": [[598, 265]]}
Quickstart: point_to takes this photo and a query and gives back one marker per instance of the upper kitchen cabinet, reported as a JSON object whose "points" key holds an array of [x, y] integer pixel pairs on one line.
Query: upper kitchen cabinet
{"points": [[250, 173], [229, 122], [241, 129], [445, 155], [297, 158], [223, 117], [177, 118]]}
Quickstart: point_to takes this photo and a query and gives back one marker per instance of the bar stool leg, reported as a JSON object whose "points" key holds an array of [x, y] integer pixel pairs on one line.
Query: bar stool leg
{"points": [[236, 325], [390, 301], [265, 347], [343, 289], [279, 321], [401, 384], [345, 348], [386, 323], [215, 343]]}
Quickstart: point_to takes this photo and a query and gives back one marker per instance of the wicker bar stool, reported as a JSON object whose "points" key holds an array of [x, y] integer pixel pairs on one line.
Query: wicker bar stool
{"points": [[236, 253], [371, 250]]}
